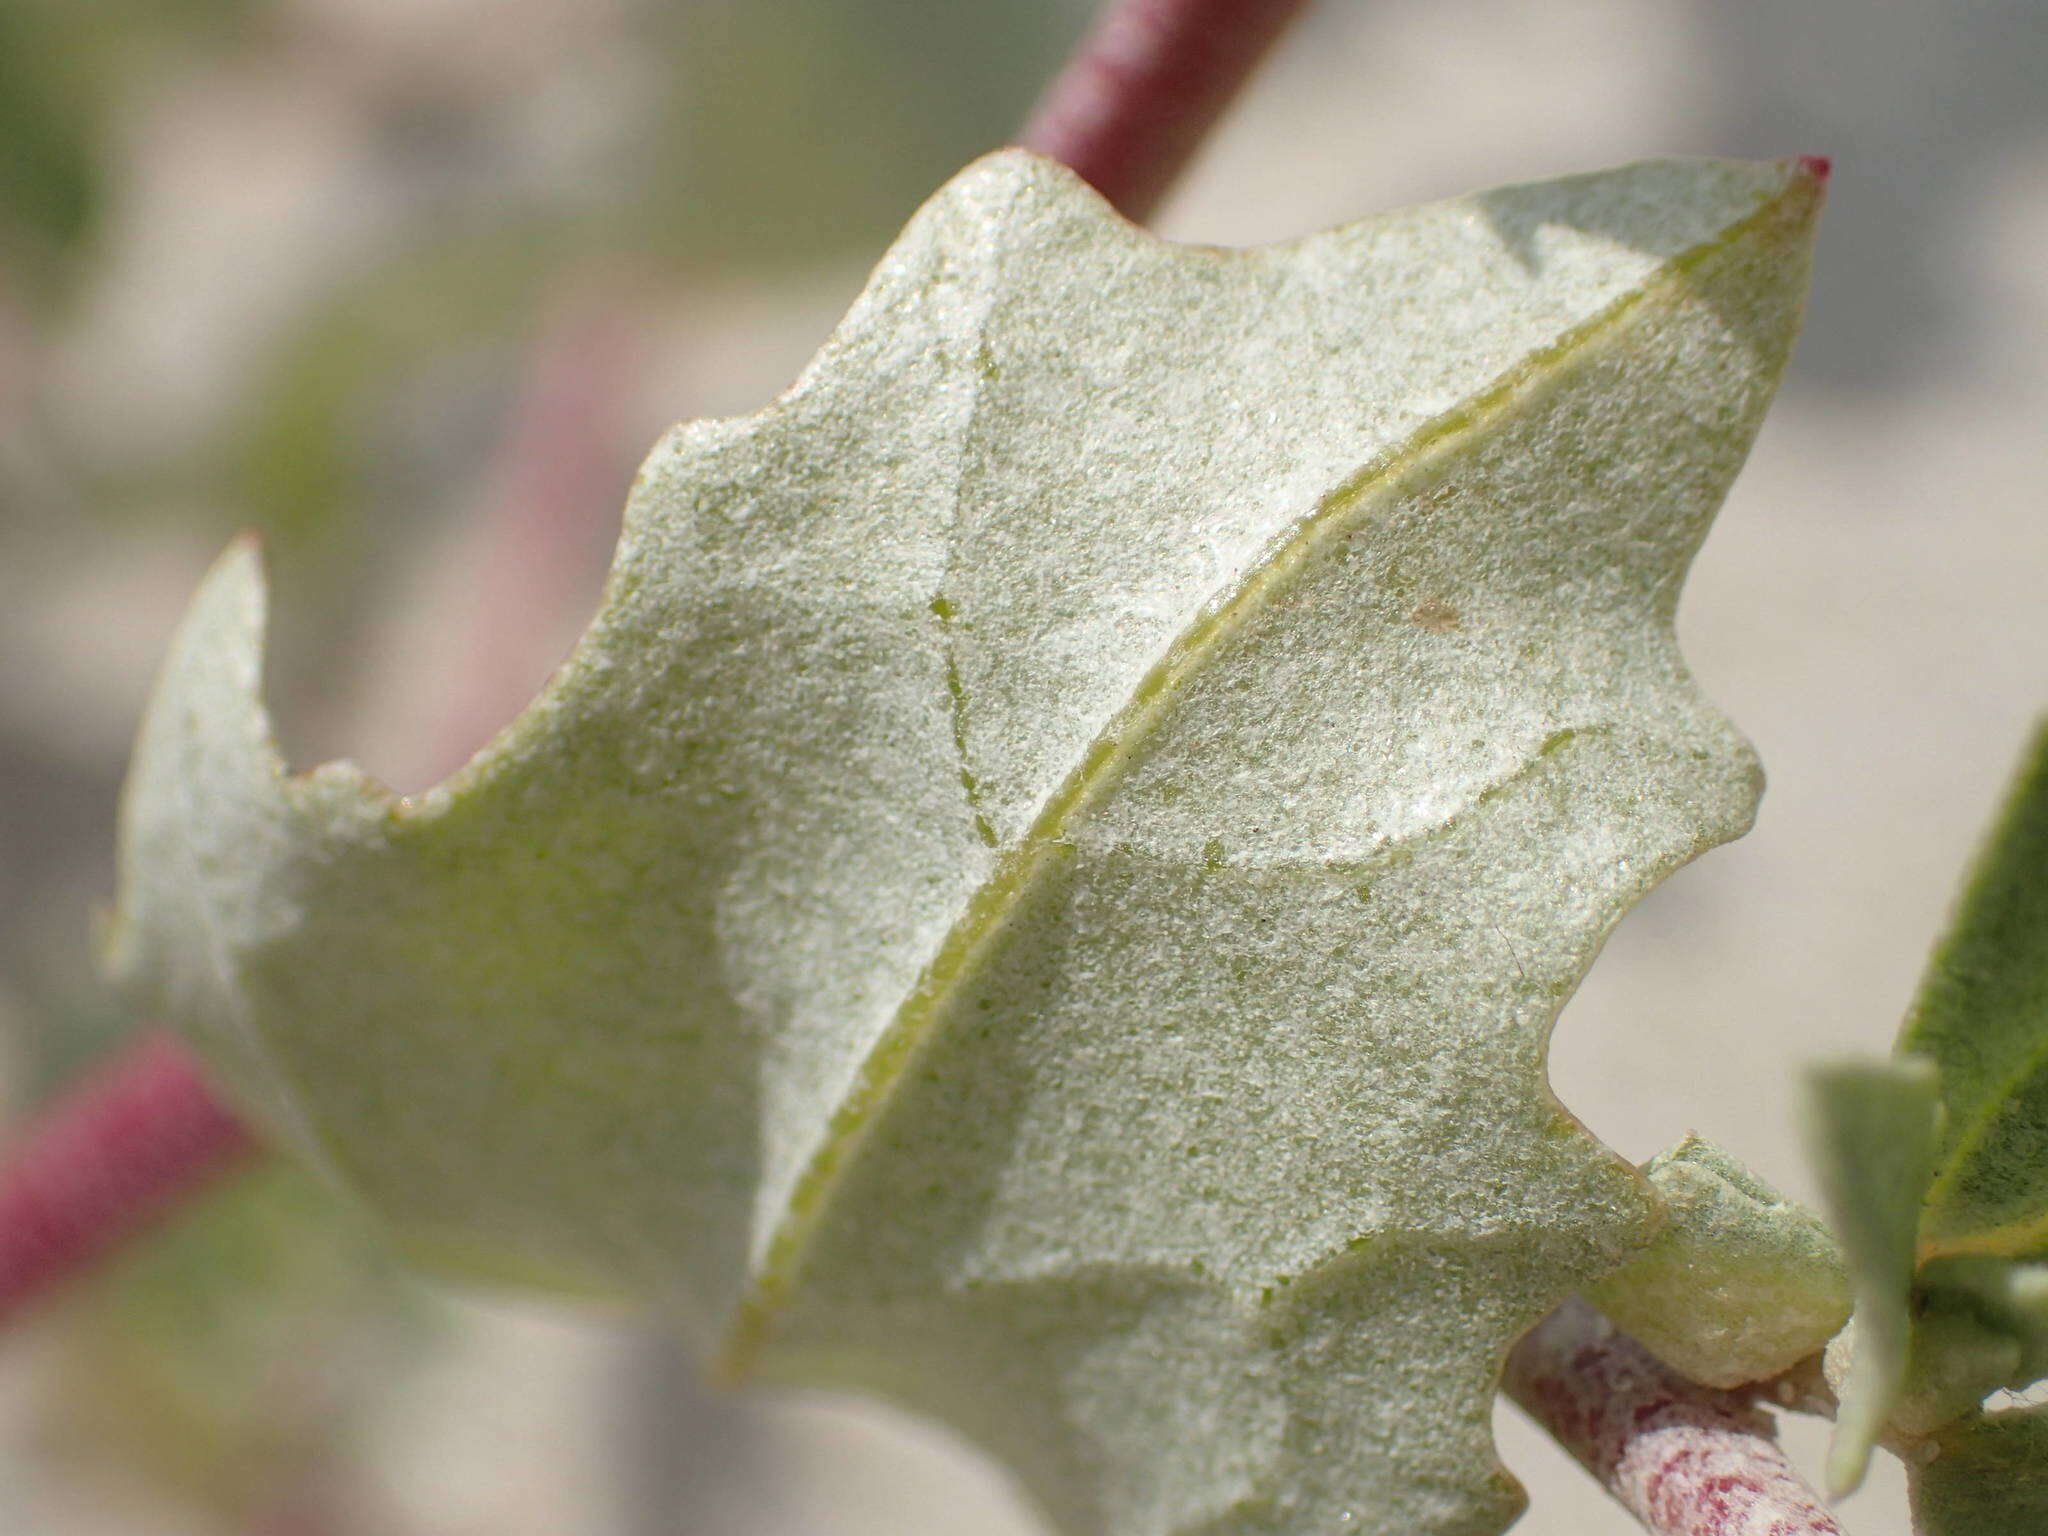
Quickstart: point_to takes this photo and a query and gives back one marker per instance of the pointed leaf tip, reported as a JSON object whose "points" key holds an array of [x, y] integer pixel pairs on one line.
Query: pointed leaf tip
{"points": [[1871, 1133]]}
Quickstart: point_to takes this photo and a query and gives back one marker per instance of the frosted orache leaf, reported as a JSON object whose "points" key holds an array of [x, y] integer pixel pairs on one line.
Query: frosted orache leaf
{"points": [[1044, 890]]}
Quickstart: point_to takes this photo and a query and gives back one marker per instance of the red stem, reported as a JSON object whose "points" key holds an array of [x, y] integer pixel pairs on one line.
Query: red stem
{"points": [[1684, 1459], [117, 1153], [1135, 102]]}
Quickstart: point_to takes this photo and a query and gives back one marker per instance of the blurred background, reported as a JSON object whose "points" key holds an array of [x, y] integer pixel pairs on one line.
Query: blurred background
{"points": [[409, 285]]}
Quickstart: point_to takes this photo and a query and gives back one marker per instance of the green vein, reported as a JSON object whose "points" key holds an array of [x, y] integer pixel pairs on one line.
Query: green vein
{"points": [[1043, 844], [2015, 1236], [956, 692]]}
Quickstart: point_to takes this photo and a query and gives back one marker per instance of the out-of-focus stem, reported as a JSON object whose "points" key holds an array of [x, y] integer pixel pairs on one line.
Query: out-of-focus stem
{"points": [[1684, 1459], [559, 477], [1135, 102], [106, 1161]]}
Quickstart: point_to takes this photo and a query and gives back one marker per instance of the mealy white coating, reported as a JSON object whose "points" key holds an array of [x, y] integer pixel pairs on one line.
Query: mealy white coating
{"points": [[1044, 890]]}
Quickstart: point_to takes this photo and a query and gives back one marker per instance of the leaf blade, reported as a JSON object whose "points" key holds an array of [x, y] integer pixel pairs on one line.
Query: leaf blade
{"points": [[1988, 1477], [1019, 1171], [1982, 1014], [1871, 1134], [597, 1003]]}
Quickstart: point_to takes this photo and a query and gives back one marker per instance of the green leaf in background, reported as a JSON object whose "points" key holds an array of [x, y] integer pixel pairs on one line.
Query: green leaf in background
{"points": [[2009, 1298], [1872, 1138], [50, 175], [784, 130], [1740, 1284], [1987, 1477], [1044, 892], [226, 1359], [67, 73], [1982, 1014]]}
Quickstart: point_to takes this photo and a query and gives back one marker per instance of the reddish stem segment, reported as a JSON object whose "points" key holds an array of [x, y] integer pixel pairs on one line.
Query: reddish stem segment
{"points": [[1133, 105], [1684, 1459], [139, 1136]]}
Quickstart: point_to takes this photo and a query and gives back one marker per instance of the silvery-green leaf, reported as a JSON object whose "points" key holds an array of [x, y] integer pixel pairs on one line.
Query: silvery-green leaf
{"points": [[1871, 1132], [1982, 1014], [1044, 891], [1987, 1476], [1740, 1283]]}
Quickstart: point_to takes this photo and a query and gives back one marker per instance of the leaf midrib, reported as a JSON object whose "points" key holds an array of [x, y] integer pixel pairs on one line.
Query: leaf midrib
{"points": [[2013, 1238], [1017, 869]]}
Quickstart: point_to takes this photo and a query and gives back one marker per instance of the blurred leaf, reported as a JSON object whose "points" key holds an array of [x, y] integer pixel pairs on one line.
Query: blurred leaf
{"points": [[1988, 1477], [66, 72], [1871, 1134], [50, 176], [1957, 1360], [225, 1359], [2008, 1296], [1044, 891], [792, 129], [1982, 1015], [307, 452]]}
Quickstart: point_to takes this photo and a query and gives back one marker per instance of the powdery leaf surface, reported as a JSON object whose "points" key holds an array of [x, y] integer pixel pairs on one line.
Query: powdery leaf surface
{"points": [[1982, 1014], [1739, 1285], [1987, 1476], [1045, 888]]}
